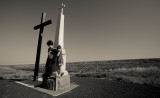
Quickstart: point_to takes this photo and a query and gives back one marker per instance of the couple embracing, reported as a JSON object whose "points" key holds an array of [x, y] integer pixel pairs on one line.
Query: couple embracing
{"points": [[54, 60]]}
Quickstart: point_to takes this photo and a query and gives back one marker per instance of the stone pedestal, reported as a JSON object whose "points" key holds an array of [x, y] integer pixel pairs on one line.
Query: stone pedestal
{"points": [[56, 83]]}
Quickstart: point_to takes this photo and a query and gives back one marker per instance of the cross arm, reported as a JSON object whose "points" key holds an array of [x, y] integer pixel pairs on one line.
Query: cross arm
{"points": [[43, 24]]}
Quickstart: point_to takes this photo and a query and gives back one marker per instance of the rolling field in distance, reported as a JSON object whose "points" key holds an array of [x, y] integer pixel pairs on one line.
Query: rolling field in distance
{"points": [[141, 71]]}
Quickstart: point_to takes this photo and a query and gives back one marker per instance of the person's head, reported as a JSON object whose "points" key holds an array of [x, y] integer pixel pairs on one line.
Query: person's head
{"points": [[50, 43], [59, 47]]}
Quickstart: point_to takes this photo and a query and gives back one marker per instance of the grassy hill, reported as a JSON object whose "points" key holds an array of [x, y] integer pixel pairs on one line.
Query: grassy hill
{"points": [[141, 71]]}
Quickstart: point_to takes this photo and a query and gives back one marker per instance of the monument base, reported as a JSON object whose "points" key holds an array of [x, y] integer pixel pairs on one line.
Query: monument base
{"points": [[56, 83]]}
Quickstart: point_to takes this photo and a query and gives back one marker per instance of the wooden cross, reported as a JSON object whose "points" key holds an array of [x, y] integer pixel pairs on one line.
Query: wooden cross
{"points": [[41, 27]]}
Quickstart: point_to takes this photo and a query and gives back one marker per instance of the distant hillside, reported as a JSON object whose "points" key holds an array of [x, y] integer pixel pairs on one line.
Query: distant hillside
{"points": [[141, 71], [114, 64]]}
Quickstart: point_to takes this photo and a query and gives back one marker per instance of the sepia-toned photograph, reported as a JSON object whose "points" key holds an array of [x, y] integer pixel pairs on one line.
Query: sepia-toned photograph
{"points": [[80, 49]]}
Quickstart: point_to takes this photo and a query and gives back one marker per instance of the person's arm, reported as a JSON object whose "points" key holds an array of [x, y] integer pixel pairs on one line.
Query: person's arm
{"points": [[49, 51], [58, 53]]}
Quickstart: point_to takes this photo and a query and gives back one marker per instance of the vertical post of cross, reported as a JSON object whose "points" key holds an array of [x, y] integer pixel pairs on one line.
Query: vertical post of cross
{"points": [[41, 27]]}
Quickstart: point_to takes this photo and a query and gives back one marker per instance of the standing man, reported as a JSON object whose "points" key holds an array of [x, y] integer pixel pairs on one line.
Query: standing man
{"points": [[50, 60]]}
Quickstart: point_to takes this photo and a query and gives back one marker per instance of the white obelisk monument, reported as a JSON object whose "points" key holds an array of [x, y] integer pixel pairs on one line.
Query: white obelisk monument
{"points": [[59, 37], [56, 82]]}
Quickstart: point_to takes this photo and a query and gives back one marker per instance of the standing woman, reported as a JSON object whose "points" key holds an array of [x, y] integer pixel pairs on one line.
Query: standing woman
{"points": [[59, 60]]}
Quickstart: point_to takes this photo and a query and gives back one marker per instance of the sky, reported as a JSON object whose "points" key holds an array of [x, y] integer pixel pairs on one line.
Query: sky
{"points": [[93, 29]]}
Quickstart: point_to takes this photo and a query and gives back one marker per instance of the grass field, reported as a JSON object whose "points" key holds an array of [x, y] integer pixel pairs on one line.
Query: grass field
{"points": [[141, 71]]}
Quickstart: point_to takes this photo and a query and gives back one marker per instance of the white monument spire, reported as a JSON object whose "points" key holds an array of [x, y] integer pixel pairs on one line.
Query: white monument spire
{"points": [[59, 37], [62, 7]]}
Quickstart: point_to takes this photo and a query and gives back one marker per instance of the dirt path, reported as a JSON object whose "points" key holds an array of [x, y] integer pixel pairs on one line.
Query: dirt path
{"points": [[89, 88]]}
